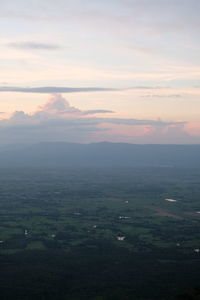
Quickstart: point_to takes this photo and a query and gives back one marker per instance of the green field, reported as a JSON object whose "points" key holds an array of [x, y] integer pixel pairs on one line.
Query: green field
{"points": [[99, 234]]}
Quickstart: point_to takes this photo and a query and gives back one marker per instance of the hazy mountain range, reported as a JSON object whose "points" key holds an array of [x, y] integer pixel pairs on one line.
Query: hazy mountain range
{"points": [[61, 154]]}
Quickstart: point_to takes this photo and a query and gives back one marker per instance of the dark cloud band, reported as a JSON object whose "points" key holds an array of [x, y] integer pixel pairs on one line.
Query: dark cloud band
{"points": [[60, 89], [54, 89]]}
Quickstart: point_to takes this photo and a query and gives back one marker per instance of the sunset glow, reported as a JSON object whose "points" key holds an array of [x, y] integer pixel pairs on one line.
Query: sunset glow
{"points": [[87, 71]]}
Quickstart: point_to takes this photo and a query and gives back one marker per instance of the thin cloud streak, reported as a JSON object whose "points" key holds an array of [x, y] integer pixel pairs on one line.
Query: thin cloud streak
{"points": [[33, 46], [54, 89], [59, 89], [162, 96]]}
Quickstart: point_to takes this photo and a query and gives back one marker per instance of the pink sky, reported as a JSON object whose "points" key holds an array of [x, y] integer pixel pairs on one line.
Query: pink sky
{"points": [[128, 70]]}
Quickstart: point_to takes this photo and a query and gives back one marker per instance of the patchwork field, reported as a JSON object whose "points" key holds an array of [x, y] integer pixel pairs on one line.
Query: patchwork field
{"points": [[99, 234]]}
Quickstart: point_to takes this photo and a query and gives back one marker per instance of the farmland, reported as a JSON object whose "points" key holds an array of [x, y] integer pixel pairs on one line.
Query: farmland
{"points": [[99, 233]]}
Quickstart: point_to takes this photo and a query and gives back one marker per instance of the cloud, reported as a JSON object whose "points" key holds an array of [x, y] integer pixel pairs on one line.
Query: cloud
{"points": [[117, 18], [162, 96], [54, 89], [142, 49], [193, 128], [60, 89], [57, 108], [57, 120], [143, 87], [33, 46], [155, 14], [59, 105], [97, 111], [136, 122]]}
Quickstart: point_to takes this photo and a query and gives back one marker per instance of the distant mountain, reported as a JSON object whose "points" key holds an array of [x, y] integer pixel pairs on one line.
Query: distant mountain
{"points": [[61, 154]]}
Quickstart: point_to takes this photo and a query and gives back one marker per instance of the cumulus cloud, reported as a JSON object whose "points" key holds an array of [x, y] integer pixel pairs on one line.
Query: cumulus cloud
{"points": [[33, 46], [59, 105], [57, 120]]}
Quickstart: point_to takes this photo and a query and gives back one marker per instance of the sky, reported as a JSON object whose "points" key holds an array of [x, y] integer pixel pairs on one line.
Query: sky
{"points": [[91, 71]]}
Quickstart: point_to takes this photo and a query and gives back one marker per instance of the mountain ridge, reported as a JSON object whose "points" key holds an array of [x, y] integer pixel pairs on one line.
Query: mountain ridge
{"points": [[106, 154]]}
